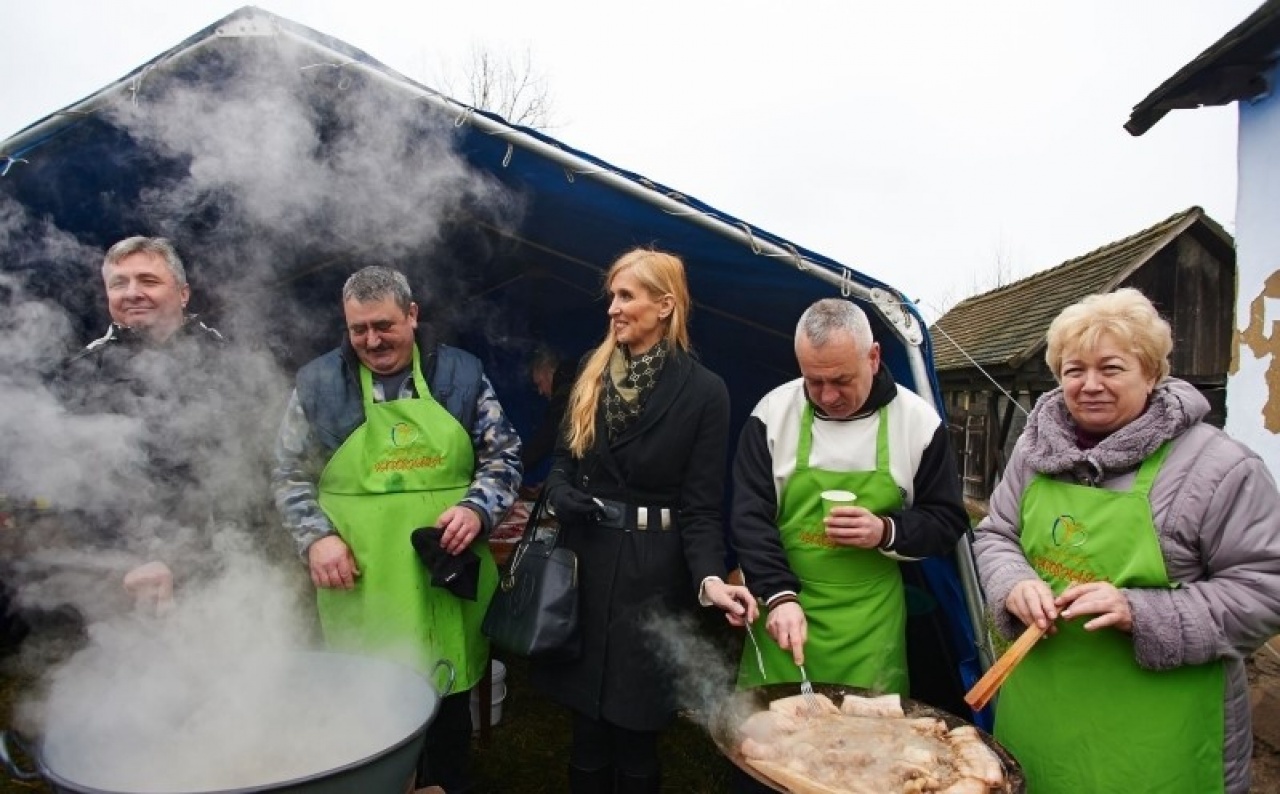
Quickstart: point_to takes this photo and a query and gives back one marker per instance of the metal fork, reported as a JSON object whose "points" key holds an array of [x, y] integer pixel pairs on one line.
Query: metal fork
{"points": [[806, 689], [759, 657]]}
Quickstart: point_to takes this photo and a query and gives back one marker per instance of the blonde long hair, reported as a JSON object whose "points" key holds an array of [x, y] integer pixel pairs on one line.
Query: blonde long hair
{"points": [[660, 274]]}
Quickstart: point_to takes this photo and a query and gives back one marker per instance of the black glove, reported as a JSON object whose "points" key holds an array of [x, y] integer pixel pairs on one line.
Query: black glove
{"points": [[573, 505]]}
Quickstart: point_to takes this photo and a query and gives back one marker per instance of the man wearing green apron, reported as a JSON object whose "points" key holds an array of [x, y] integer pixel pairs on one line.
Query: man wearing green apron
{"points": [[387, 434], [831, 585]]}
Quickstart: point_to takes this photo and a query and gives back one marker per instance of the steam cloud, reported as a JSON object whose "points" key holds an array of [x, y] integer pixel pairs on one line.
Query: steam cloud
{"points": [[705, 673], [215, 696], [279, 170]]}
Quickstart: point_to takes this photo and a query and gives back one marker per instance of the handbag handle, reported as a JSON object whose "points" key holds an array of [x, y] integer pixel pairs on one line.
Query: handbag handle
{"points": [[507, 580]]}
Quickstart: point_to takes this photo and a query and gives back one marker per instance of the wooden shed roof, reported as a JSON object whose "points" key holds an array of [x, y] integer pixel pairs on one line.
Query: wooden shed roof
{"points": [[1007, 325]]}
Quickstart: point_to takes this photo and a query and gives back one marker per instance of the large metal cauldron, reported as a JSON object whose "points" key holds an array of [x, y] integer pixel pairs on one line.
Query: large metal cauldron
{"points": [[723, 728], [65, 752]]}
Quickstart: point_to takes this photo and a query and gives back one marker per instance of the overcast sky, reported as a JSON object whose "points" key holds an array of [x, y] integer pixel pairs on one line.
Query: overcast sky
{"points": [[932, 144]]}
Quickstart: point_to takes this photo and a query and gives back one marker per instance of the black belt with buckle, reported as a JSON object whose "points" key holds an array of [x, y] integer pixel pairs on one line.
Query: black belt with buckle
{"points": [[628, 517]]}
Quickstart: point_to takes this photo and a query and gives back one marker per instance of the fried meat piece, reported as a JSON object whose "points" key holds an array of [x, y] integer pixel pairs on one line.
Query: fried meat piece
{"points": [[797, 706], [973, 758], [883, 706]]}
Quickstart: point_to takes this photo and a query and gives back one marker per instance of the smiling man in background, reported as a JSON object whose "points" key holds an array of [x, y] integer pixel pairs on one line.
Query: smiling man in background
{"points": [[129, 518], [147, 290], [388, 442], [147, 295], [153, 364]]}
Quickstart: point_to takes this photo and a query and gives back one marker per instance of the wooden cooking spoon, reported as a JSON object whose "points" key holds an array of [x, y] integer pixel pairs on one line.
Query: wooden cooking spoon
{"points": [[986, 687]]}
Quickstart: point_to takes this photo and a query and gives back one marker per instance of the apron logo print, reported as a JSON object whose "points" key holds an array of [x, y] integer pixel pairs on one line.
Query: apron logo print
{"points": [[1069, 532], [817, 539], [403, 434]]}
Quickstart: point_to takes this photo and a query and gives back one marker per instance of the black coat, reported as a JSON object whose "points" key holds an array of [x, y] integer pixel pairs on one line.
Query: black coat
{"points": [[180, 392], [674, 456]]}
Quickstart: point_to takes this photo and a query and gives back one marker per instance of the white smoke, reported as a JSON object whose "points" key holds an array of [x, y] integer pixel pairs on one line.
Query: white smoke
{"points": [[283, 172], [51, 456], [288, 153], [217, 695], [705, 669]]}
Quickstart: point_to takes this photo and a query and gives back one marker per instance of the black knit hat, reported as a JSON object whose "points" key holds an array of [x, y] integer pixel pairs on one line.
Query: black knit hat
{"points": [[457, 573]]}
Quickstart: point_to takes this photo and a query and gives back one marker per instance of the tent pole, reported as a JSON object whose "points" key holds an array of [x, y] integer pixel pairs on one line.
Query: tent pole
{"points": [[895, 310], [904, 324]]}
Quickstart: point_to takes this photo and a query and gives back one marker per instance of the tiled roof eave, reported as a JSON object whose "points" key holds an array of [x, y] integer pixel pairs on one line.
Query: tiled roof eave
{"points": [[1138, 262]]}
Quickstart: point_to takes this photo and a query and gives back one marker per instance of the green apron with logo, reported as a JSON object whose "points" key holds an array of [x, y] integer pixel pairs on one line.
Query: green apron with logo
{"points": [[1078, 712], [852, 598], [409, 462]]}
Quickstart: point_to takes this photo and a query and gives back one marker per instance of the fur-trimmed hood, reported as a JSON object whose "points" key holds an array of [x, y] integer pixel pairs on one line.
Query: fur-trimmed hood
{"points": [[1050, 436]]}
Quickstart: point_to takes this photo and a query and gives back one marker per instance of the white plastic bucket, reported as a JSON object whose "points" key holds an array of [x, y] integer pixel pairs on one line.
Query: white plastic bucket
{"points": [[499, 694]]}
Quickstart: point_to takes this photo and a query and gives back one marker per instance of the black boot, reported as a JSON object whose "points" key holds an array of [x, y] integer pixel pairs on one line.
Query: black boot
{"points": [[590, 781], [638, 784]]}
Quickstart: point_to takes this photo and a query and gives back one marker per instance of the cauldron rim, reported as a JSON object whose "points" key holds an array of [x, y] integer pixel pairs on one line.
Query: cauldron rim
{"points": [[61, 782]]}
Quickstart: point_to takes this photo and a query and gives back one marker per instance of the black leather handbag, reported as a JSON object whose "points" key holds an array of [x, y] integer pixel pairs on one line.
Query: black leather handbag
{"points": [[534, 611]]}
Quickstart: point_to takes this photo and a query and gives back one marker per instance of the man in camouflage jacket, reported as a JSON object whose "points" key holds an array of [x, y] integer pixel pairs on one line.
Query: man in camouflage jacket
{"points": [[389, 439]]}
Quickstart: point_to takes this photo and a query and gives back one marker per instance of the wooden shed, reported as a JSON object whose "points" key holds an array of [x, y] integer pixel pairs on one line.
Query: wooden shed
{"points": [[989, 349]]}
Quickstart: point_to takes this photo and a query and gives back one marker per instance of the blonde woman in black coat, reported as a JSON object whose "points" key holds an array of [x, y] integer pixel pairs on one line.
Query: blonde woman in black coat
{"points": [[637, 484]]}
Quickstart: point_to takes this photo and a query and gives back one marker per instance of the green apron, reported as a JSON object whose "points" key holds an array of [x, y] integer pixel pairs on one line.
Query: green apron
{"points": [[852, 598], [409, 462], [1078, 713]]}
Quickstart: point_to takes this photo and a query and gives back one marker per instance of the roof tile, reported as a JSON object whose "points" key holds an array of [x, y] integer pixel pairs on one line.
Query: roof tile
{"points": [[1008, 324]]}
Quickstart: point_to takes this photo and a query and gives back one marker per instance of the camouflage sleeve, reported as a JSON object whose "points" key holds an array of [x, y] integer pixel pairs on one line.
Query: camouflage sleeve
{"points": [[498, 470], [293, 479]]}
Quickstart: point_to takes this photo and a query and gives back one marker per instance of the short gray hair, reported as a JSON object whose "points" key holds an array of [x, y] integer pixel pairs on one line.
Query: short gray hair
{"points": [[830, 316], [375, 283], [159, 246]]}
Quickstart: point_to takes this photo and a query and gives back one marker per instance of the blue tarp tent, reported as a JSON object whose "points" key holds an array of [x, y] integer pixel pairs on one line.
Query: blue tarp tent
{"points": [[280, 159]]}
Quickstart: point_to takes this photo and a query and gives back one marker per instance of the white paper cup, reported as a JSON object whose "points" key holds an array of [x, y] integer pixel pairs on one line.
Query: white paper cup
{"points": [[837, 498]]}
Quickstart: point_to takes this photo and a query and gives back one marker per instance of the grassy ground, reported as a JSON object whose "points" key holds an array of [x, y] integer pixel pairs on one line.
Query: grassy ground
{"points": [[528, 750]]}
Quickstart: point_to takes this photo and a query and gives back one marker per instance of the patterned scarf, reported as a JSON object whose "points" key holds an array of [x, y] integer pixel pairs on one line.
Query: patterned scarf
{"points": [[628, 382]]}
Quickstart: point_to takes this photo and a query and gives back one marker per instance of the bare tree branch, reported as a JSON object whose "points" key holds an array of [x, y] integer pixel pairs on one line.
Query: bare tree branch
{"points": [[504, 83]]}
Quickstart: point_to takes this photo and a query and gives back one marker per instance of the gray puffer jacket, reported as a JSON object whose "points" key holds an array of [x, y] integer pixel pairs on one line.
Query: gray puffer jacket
{"points": [[1217, 513]]}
